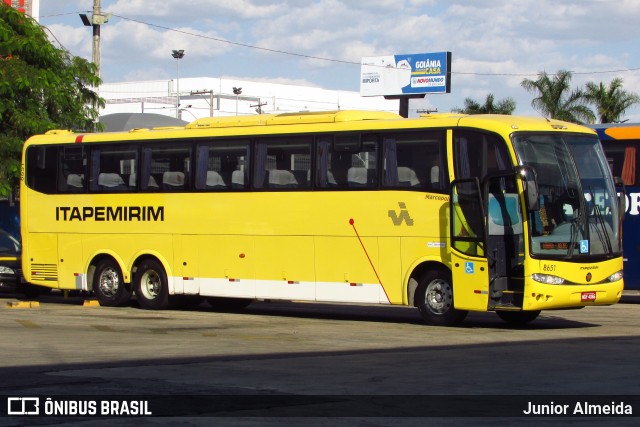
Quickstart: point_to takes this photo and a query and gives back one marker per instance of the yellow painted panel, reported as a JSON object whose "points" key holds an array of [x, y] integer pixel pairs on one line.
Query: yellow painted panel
{"points": [[226, 256], [286, 258], [390, 268], [71, 261], [186, 250], [343, 259]]}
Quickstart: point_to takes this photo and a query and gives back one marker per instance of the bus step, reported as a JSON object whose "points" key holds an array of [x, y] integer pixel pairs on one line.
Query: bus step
{"points": [[506, 291], [505, 307]]}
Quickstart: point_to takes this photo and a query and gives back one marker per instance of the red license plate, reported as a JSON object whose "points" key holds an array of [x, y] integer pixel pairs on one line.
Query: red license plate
{"points": [[588, 296]]}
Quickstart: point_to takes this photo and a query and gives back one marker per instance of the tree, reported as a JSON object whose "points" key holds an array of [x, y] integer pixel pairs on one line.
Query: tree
{"points": [[41, 88], [556, 100], [505, 106], [611, 101]]}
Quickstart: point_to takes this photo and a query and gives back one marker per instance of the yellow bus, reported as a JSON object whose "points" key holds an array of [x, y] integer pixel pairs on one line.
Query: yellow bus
{"points": [[448, 213]]}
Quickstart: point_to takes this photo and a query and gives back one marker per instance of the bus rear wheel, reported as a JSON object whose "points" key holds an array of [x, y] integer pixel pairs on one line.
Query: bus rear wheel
{"points": [[434, 299], [108, 285], [518, 318], [151, 288]]}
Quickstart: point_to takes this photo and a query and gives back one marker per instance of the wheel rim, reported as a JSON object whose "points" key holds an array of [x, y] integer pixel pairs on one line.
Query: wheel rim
{"points": [[439, 296], [109, 282], [150, 284]]}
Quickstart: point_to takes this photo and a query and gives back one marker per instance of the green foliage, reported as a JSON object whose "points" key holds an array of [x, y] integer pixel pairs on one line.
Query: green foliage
{"points": [[41, 88], [611, 101], [505, 106], [556, 99]]}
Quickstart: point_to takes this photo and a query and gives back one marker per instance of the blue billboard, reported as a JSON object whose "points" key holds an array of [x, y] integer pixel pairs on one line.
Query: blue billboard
{"points": [[412, 74]]}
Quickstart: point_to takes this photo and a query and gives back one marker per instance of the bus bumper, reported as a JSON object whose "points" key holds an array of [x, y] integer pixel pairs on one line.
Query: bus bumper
{"points": [[548, 297]]}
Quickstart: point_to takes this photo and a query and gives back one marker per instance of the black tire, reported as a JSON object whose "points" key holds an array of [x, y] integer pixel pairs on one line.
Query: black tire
{"points": [[108, 285], [434, 299], [518, 318], [221, 303], [151, 287]]}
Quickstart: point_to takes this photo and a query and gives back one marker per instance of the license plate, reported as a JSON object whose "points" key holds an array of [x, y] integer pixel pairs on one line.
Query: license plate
{"points": [[588, 296]]}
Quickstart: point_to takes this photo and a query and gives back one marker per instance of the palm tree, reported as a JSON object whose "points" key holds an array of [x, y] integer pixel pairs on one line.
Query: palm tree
{"points": [[505, 106], [611, 102], [556, 100]]}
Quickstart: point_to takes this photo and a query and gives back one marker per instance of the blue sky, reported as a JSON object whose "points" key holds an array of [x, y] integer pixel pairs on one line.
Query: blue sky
{"points": [[494, 44]]}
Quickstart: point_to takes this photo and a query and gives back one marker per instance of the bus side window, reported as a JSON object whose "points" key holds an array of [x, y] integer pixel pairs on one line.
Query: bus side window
{"points": [[413, 160], [113, 168], [220, 165], [283, 163], [72, 170], [363, 172], [165, 167], [41, 169]]}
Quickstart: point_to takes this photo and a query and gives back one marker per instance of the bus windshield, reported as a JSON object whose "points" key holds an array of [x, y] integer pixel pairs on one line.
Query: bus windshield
{"points": [[578, 213]]}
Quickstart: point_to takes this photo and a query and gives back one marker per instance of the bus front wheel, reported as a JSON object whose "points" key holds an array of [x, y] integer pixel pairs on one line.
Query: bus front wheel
{"points": [[152, 291], [108, 285], [434, 299]]}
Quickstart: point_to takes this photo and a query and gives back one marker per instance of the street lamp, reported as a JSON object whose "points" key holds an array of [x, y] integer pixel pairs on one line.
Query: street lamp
{"points": [[237, 91], [178, 54]]}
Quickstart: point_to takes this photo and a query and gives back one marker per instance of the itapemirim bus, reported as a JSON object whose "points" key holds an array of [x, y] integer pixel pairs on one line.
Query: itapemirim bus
{"points": [[448, 213], [620, 142]]}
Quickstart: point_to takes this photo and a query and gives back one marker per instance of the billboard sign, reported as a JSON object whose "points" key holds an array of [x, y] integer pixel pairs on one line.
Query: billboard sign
{"points": [[413, 74]]}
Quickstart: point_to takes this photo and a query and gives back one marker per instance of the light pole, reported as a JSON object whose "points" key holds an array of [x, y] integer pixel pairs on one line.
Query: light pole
{"points": [[178, 54], [237, 91]]}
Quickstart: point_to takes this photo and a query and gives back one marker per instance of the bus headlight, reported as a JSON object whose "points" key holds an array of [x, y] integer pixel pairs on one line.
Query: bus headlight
{"points": [[616, 276], [547, 279]]}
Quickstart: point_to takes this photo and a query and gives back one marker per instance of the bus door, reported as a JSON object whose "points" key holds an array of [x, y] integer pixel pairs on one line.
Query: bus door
{"points": [[483, 254], [487, 256], [505, 241], [469, 264]]}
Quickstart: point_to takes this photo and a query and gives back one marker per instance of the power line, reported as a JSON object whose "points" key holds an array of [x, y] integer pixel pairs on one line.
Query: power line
{"points": [[283, 52], [340, 61]]}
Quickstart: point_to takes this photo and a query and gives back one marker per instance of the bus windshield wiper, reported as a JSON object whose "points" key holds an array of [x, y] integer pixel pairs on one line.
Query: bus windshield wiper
{"points": [[605, 240], [575, 228]]}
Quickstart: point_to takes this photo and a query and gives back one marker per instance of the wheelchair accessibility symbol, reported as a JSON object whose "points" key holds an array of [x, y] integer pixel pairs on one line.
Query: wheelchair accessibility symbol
{"points": [[584, 246], [468, 267]]}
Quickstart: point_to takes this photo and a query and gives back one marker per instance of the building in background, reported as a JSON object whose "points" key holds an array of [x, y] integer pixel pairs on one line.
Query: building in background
{"points": [[213, 97], [30, 7]]}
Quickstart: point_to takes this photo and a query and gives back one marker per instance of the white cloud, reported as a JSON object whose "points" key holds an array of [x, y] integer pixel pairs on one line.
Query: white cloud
{"points": [[198, 9], [498, 37]]}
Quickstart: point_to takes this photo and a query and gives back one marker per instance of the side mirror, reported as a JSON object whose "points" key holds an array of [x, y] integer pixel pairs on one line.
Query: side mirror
{"points": [[529, 179]]}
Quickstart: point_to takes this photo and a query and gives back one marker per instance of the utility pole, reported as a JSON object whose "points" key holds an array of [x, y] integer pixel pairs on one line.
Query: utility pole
{"points": [[97, 19], [96, 36], [210, 93], [259, 106]]}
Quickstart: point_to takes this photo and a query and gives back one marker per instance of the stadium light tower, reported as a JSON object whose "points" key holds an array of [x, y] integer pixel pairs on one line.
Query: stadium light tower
{"points": [[178, 54], [237, 91]]}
